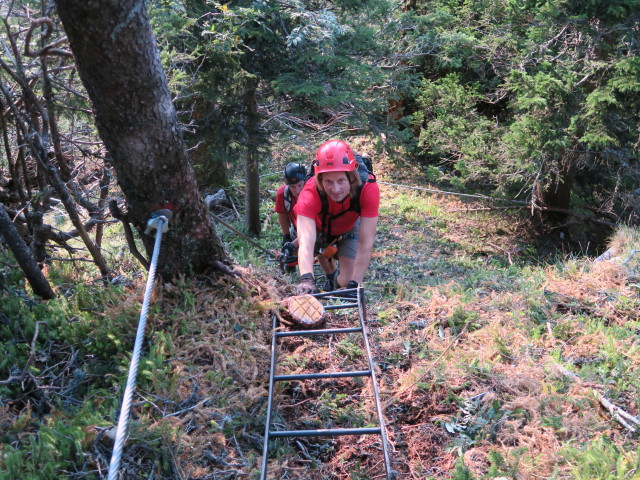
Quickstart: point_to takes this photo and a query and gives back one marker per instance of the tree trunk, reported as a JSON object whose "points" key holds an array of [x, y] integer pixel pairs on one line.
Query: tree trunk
{"points": [[23, 255], [251, 164], [556, 194], [119, 65]]}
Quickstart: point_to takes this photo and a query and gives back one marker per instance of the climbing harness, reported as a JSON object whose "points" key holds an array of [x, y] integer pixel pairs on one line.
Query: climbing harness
{"points": [[278, 333], [159, 222]]}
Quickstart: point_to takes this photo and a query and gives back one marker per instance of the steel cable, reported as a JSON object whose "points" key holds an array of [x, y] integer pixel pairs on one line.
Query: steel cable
{"points": [[440, 192], [123, 421]]}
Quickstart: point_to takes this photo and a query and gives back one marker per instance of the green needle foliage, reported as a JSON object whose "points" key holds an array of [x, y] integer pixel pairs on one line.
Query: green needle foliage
{"points": [[527, 96]]}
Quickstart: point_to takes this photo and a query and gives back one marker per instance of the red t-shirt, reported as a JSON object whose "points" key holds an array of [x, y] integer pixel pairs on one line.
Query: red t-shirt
{"points": [[280, 205], [310, 205]]}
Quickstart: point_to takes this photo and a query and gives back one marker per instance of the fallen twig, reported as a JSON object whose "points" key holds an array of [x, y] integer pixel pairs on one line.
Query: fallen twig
{"points": [[232, 204], [630, 257], [424, 374], [508, 253], [619, 414], [624, 418], [32, 357]]}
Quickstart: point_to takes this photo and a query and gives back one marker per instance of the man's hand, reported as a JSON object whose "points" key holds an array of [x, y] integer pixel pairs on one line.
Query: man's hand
{"points": [[287, 252], [286, 238], [307, 285]]}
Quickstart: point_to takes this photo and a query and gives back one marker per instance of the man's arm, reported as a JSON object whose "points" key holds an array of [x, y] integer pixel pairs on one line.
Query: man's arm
{"points": [[307, 239], [283, 220], [366, 236]]}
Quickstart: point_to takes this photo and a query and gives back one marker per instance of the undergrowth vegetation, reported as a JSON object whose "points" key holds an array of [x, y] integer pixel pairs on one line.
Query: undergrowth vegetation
{"points": [[492, 362]]}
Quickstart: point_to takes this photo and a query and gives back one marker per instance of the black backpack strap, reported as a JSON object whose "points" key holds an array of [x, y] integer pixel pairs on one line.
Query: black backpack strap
{"points": [[288, 200], [355, 201], [324, 213]]}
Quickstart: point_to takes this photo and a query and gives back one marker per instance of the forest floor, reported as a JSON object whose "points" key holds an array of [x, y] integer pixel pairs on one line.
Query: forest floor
{"points": [[492, 362]]}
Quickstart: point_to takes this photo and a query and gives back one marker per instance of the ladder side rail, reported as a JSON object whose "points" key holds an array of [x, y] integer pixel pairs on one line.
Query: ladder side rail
{"points": [[267, 423], [362, 311]]}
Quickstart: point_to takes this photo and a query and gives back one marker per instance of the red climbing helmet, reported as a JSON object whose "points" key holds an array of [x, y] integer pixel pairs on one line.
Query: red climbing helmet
{"points": [[335, 156]]}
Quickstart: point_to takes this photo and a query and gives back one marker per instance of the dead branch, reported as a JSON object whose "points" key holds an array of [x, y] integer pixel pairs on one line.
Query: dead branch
{"points": [[69, 205], [608, 255], [128, 233], [232, 204], [506, 252], [574, 214], [619, 414], [598, 211], [624, 418], [201, 403], [631, 255], [484, 209], [88, 226], [105, 180], [75, 259], [48, 49], [38, 145]]}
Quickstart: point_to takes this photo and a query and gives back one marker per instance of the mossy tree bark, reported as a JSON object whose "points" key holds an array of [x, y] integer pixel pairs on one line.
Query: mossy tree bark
{"points": [[251, 164]]}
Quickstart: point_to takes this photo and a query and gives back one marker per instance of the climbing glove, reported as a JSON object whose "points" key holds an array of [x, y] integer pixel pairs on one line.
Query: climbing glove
{"points": [[286, 253], [307, 285], [286, 238]]}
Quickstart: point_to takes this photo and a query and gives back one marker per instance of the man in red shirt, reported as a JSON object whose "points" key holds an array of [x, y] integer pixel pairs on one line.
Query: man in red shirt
{"points": [[338, 205]]}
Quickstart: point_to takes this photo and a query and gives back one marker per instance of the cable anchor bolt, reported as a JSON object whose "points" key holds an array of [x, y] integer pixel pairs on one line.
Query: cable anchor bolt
{"points": [[159, 217]]}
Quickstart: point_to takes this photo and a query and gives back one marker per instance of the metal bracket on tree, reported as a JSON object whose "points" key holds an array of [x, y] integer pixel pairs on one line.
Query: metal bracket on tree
{"points": [[159, 219]]}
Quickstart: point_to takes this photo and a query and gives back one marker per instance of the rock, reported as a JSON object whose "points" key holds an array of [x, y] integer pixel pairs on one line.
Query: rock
{"points": [[217, 200]]}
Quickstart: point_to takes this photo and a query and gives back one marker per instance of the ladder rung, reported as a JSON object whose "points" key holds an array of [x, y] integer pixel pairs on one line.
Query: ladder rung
{"points": [[332, 432], [341, 305], [308, 376], [336, 293], [308, 333]]}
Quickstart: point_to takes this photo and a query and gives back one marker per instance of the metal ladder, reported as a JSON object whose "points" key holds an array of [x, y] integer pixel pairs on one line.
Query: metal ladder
{"points": [[269, 434]]}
